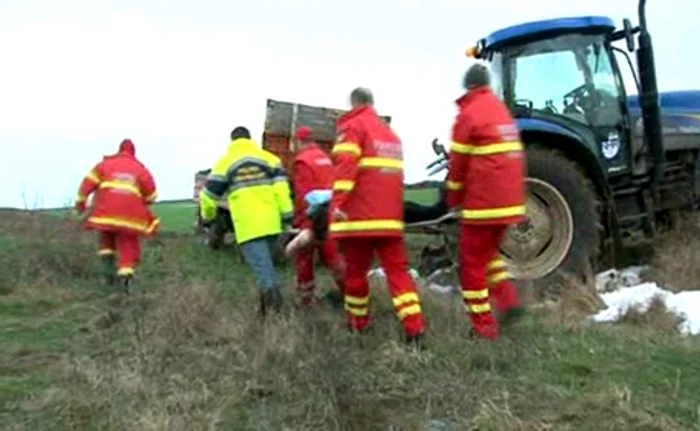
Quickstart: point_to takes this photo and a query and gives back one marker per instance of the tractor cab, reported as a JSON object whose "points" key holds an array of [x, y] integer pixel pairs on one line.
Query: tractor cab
{"points": [[562, 73]]}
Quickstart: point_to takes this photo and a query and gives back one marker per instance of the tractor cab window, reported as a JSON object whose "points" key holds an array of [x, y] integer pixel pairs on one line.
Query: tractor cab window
{"points": [[570, 76]]}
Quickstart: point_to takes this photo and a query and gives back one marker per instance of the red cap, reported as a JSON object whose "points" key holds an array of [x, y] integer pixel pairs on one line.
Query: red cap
{"points": [[127, 147], [303, 133]]}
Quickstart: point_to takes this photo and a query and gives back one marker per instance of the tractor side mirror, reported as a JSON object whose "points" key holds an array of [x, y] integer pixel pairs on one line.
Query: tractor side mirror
{"points": [[629, 34]]}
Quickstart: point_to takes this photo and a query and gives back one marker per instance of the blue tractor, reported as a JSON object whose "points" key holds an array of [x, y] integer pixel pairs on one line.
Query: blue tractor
{"points": [[605, 169]]}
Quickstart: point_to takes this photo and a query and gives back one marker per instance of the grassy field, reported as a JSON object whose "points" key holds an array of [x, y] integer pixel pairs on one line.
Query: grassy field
{"points": [[187, 352]]}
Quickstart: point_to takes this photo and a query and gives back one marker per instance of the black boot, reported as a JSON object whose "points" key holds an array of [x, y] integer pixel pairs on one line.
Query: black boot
{"points": [[124, 283], [511, 315], [335, 299], [415, 342], [270, 300], [108, 269]]}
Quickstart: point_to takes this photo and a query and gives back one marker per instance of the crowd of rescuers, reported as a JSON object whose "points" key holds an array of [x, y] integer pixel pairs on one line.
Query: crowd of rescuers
{"points": [[363, 184]]}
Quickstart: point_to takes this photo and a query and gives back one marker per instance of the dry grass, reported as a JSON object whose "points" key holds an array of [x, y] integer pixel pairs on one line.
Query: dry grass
{"points": [[676, 260], [188, 352], [656, 317]]}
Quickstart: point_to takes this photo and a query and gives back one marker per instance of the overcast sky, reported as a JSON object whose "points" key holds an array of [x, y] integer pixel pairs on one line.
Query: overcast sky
{"points": [[77, 76]]}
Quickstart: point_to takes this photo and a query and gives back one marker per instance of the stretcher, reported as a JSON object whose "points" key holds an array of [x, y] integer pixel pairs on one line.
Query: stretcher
{"points": [[419, 218]]}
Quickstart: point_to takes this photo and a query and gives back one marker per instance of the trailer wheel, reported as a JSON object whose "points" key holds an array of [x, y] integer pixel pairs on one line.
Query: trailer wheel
{"points": [[561, 233]]}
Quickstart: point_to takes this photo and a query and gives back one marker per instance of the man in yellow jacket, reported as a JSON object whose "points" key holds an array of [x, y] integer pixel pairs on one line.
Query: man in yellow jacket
{"points": [[260, 203]]}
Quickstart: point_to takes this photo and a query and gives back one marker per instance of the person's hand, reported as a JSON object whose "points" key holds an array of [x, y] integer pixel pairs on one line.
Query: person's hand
{"points": [[80, 207], [339, 215], [287, 220]]}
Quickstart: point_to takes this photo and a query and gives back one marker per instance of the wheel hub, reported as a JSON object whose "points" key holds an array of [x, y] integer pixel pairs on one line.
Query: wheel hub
{"points": [[538, 245]]}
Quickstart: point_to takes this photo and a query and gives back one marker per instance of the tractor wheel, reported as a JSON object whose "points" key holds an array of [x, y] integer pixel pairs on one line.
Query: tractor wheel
{"points": [[561, 235], [213, 236]]}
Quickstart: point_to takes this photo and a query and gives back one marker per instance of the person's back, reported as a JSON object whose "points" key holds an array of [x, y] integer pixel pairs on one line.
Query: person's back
{"points": [[313, 170], [256, 187], [123, 190], [377, 186], [492, 160]]}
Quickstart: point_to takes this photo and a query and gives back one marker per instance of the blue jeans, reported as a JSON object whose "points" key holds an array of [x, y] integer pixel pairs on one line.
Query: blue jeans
{"points": [[258, 255]]}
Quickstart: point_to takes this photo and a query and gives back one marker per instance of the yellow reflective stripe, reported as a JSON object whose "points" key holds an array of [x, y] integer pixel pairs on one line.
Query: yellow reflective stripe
{"points": [[125, 271], [363, 311], [92, 176], [487, 149], [121, 185], [498, 277], [105, 252], [80, 198], [356, 300], [110, 221], [408, 311], [476, 294], [478, 308], [496, 264], [380, 162], [406, 298], [351, 226], [152, 196], [343, 185], [347, 147], [488, 213], [453, 185]]}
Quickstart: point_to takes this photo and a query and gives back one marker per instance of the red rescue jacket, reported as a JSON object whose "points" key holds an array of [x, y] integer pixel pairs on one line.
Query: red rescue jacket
{"points": [[313, 169], [123, 190], [486, 176], [368, 181]]}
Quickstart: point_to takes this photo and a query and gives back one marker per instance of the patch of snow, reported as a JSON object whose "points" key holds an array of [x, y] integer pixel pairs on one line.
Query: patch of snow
{"points": [[622, 291]]}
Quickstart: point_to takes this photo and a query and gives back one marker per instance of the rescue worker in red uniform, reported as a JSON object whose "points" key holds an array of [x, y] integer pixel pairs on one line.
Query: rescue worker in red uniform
{"points": [[313, 170], [366, 214], [486, 181], [123, 190]]}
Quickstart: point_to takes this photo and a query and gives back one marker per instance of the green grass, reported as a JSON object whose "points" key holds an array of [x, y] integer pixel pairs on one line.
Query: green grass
{"points": [[187, 352]]}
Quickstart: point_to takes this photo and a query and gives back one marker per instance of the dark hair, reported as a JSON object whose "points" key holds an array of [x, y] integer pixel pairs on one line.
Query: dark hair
{"points": [[240, 132], [361, 96], [477, 76]]}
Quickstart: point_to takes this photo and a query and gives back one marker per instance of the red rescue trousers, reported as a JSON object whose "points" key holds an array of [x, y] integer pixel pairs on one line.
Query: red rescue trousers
{"points": [[359, 253], [484, 277], [304, 262], [127, 249]]}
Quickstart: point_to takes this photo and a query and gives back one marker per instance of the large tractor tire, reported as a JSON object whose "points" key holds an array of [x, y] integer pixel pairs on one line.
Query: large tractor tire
{"points": [[561, 235]]}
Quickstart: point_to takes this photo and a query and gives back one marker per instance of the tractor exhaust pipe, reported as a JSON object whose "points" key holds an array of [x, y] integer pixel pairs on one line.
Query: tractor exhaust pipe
{"points": [[649, 98]]}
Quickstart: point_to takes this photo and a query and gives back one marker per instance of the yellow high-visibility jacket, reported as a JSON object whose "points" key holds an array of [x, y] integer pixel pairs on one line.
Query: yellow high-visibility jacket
{"points": [[256, 187]]}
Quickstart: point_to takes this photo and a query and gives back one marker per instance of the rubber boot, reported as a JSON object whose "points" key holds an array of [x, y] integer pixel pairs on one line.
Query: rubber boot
{"points": [[335, 299], [511, 316], [108, 269], [415, 342], [124, 282], [270, 301]]}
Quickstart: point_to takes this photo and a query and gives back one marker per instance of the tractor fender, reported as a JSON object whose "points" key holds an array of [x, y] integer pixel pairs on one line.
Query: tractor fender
{"points": [[583, 151], [570, 143]]}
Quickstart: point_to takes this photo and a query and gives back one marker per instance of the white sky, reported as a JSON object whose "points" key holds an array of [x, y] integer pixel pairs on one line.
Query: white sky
{"points": [[77, 76]]}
